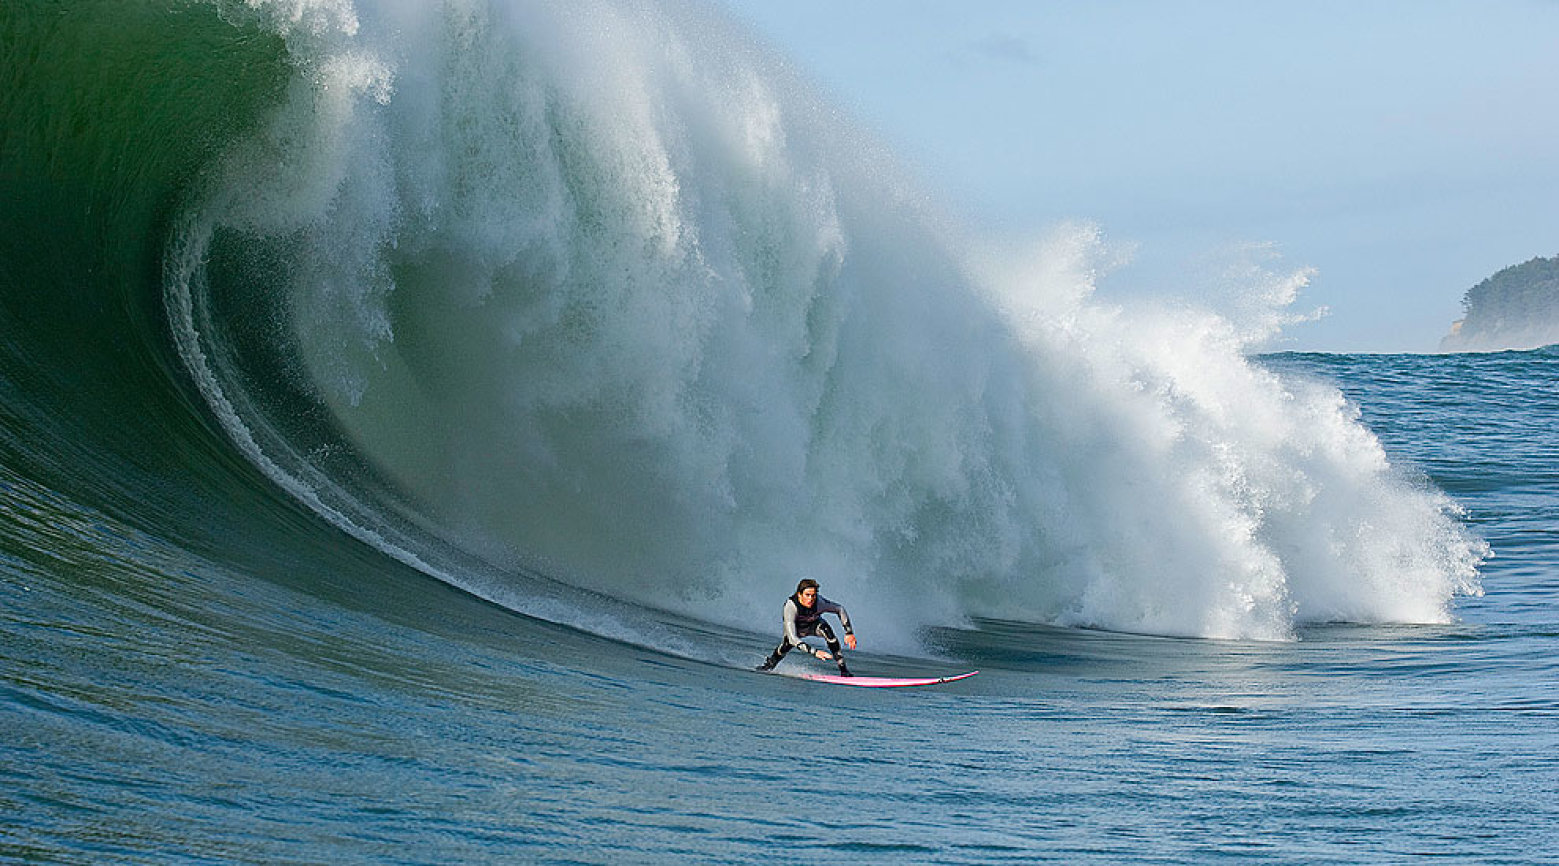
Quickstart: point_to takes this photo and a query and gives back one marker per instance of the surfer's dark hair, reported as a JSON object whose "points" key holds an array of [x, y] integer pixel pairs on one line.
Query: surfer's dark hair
{"points": [[805, 584]]}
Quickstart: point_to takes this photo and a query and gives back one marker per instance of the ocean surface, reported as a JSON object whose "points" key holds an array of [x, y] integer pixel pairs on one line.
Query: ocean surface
{"points": [[413, 416]]}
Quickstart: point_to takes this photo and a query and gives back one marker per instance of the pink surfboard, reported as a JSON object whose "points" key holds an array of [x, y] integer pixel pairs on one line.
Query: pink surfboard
{"points": [[883, 682]]}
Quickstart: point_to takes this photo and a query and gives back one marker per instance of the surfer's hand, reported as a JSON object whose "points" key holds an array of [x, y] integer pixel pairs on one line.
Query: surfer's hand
{"points": [[850, 639], [823, 655]]}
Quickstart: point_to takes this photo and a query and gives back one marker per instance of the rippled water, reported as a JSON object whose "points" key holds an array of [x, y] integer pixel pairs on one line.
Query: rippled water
{"points": [[164, 708]]}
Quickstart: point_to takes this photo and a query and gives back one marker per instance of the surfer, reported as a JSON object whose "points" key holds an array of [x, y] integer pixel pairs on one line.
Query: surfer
{"points": [[803, 617]]}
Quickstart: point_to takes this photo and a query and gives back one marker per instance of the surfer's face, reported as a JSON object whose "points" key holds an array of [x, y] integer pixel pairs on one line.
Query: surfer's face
{"points": [[807, 596]]}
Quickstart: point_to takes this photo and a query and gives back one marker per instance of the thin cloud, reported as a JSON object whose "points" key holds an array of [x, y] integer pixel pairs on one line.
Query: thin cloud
{"points": [[1003, 48]]}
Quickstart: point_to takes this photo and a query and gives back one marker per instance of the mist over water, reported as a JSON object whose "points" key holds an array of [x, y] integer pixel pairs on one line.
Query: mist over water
{"points": [[606, 292]]}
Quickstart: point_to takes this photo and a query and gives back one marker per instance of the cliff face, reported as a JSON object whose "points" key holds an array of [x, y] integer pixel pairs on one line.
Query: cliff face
{"points": [[1517, 308]]}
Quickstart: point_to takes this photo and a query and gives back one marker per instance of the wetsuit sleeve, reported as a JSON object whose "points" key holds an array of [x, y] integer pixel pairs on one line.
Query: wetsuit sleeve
{"points": [[826, 606], [791, 637]]}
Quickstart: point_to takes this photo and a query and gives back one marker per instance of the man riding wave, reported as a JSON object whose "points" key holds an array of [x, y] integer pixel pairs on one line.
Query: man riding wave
{"points": [[803, 617]]}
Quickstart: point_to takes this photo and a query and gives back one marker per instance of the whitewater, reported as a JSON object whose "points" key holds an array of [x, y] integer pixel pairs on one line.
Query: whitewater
{"points": [[415, 414]]}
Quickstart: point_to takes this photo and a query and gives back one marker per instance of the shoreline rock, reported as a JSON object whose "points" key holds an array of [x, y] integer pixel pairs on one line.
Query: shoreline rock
{"points": [[1516, 308]]}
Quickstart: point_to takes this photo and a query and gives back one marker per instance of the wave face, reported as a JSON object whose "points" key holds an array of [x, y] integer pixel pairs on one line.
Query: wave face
{"points": [[603, 296]]}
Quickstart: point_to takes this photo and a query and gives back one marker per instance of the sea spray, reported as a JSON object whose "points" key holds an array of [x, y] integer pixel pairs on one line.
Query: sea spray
{"points": [[604, 291], [1193, 473]]}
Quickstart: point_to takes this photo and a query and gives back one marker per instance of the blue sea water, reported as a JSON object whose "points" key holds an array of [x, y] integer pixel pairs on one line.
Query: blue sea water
{"points": [[411, 420]]}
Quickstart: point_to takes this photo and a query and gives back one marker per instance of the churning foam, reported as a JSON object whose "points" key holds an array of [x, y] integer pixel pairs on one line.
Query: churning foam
{"points": [[603, 289]]}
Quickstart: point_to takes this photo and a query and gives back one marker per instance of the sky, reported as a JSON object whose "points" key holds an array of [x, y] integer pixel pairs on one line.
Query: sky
{"points": [[1404, 150]]}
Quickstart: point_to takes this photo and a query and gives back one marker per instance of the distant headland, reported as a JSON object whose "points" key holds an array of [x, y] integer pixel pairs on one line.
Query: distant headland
{"points": [[1517, 308]]}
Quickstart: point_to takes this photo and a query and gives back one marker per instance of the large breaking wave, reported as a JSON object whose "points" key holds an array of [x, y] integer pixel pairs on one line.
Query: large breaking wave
{"points": [[604, 291]]}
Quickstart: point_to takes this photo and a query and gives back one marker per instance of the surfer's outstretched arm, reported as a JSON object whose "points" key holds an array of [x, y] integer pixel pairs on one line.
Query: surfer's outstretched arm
{"points": [[837, 609]]}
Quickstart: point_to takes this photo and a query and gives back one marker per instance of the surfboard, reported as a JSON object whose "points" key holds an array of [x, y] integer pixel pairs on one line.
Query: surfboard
{"points": [[883, 682]]}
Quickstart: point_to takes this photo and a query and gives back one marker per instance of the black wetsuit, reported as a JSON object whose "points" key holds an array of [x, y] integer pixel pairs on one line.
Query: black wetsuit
{"points": [[801, 621]]}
